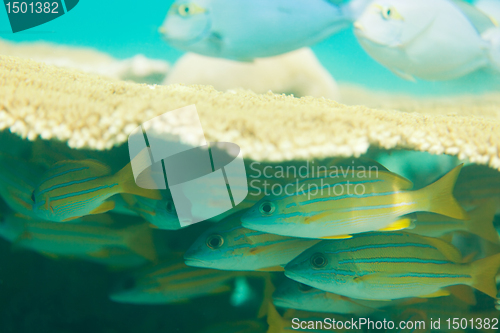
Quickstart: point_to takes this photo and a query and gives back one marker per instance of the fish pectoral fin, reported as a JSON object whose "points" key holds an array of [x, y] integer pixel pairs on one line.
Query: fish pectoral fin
{"points": [[271, 269], [398, 225], [337, 237], [439, 293], [106, 206], [368, 277], [256, 250], [315, 218]]}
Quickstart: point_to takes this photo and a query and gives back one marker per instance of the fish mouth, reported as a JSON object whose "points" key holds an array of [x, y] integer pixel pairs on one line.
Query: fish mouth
{"points": [[358, 27], [282, 303], [194, 262], [296, 277], [254, 223], [204, 34]]}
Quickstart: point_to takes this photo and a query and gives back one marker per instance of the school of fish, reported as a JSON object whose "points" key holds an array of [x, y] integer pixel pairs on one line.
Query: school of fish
{"points": [[352, 240]]}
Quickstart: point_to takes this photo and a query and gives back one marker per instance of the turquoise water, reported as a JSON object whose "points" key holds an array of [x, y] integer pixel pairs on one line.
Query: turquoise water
{"points": [[130, 28], [44, 291]]}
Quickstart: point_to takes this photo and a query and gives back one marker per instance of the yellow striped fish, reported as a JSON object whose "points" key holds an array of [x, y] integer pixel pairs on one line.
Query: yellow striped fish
{"points": [[382, 266], [171, 282], [18, 179], [480, 223], [85, 238], [71, 189], [356, 202], [295, 295], [477, 184], [229, 246]]}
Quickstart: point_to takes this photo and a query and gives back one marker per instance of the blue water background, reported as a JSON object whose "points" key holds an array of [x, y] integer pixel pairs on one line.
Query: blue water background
{"points": [[127, 28]]}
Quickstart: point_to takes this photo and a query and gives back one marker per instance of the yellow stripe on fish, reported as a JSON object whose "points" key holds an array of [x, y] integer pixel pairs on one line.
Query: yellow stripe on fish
{"points": [[395, 265], [71, 189], [325, 206], [229, 246]]}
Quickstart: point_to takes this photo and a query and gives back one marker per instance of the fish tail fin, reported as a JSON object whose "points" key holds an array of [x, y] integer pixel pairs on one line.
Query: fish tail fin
{"points": [[484, 272], [481, 222], [125, 178], [139, 239], [439, 196], [273, 319]]}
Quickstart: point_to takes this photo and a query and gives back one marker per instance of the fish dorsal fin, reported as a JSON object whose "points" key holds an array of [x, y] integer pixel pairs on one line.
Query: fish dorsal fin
{"points": [[479, 20]]}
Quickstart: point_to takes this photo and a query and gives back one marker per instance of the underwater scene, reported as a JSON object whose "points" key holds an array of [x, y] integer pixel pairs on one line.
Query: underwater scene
{"points": [[236, 166]]}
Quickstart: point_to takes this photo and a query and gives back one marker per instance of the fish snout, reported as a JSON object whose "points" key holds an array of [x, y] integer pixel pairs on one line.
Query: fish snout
{"points": [[358, 26], [194, 262], [162, 30]]}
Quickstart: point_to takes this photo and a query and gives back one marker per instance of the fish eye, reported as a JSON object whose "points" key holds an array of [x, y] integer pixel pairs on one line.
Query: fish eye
{"points": [[267, 208], [190, 9], [391, 13], [183, 10], [215, 241], [170, 207], [304, 287], [33, 196], [318, 260]]}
